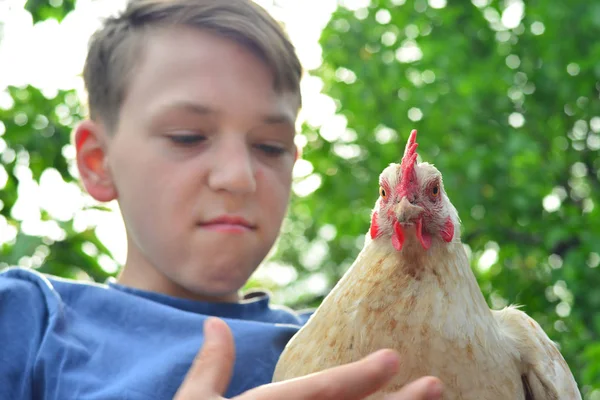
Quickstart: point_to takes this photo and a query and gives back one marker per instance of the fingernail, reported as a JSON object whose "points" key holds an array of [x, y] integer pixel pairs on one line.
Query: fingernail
{"points": [[387, 357], [210, 325], [391, 359], [434, 392]]}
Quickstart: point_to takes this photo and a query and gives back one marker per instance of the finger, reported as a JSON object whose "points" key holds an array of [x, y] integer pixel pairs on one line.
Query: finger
{"points": [[427, 388], [350, 381], [212, 367]]}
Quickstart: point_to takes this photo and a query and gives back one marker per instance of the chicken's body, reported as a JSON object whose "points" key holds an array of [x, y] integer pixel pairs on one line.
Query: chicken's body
{"points": [[427, 306], [441, 328]]}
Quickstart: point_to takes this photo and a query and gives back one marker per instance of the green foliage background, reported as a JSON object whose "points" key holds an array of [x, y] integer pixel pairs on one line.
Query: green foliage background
{"points": [[510, 116]]}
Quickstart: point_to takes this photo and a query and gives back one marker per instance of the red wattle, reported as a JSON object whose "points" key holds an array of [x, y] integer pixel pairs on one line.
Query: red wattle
{"points": [[424, 237], [398, 236], [447, 231], [374, 226]]}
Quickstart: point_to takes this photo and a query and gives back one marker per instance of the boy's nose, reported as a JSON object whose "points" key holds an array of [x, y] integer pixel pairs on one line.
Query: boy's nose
{"points": [[233, 168]]}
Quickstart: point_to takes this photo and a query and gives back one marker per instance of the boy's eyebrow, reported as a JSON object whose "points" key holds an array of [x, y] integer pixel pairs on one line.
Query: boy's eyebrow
{"points": [[278, 119], [197, 108]]}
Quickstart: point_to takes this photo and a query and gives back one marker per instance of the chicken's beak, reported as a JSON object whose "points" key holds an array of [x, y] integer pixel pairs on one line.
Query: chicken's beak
{"points": [[408, 213]]}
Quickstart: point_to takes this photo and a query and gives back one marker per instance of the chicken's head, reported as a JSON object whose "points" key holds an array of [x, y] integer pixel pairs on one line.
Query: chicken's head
{"points": [[412, 198]]}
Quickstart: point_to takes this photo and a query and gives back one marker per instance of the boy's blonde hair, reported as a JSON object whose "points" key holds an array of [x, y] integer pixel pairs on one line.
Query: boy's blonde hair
{"points": [[115, 48]]}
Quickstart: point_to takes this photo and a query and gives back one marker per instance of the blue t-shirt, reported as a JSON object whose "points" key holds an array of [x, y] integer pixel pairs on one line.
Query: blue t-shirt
{"points": [[62, 339]]}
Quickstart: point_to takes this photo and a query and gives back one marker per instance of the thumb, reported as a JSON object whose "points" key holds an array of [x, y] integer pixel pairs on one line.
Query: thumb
{"points": [[211, 370]]}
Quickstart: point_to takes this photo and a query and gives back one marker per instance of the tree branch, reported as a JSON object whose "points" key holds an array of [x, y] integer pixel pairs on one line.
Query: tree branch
{"points": [[561, 248], [524, 238]]}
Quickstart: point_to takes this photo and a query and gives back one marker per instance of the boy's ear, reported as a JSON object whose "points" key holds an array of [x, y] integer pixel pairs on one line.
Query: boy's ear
{"points": [[92, 161], [298, 153]]}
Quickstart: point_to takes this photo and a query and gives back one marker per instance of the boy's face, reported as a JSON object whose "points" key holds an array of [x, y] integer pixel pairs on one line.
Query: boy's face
{"points": [[201, 135]]}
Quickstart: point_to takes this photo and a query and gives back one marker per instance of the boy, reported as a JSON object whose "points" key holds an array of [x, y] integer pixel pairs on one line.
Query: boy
{"points": [[192, 107]]}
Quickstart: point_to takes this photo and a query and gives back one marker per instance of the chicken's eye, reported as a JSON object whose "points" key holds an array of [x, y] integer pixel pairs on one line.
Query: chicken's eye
{"points": [[435, 191], [382, 193]]}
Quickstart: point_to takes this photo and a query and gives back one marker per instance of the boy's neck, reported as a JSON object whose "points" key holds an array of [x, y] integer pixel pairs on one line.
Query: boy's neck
{"points": [[154, 281]]}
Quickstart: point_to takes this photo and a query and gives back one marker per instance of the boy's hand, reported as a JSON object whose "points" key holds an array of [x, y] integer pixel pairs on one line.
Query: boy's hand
{"points": [[211, 371]]}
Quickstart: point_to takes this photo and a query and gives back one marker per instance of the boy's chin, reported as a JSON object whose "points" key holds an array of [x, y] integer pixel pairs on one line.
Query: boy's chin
{"points": [[206, 287]]}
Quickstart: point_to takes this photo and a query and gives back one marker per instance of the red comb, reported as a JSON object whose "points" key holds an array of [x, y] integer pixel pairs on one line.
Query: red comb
{"points": [[407, 166], [410, 152]]}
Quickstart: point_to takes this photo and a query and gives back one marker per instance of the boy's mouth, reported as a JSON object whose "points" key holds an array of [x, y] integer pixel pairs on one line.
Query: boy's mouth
{"points": [[228, 223]]}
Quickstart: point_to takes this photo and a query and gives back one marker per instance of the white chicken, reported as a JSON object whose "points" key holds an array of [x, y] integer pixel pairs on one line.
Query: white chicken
{"points": [[411, 288]]}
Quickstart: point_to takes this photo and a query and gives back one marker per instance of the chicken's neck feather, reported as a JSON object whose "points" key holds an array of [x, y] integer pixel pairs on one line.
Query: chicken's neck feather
{"points": [[416, 287]]}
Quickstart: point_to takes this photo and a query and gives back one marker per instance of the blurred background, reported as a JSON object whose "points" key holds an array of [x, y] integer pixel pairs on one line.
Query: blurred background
{"points": [[505, 95]]}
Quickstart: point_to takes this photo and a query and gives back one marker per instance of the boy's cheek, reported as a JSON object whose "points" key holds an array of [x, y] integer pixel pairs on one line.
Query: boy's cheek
{"points": [[276, 184]]}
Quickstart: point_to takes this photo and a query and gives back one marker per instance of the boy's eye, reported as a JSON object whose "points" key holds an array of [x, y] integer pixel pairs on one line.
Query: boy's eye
{"points": [[271, 150], [187, 139]]}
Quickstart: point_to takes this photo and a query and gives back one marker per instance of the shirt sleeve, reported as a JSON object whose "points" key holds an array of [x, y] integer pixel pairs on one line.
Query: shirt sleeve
{"points": [[304, 315], [22, 319]]}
